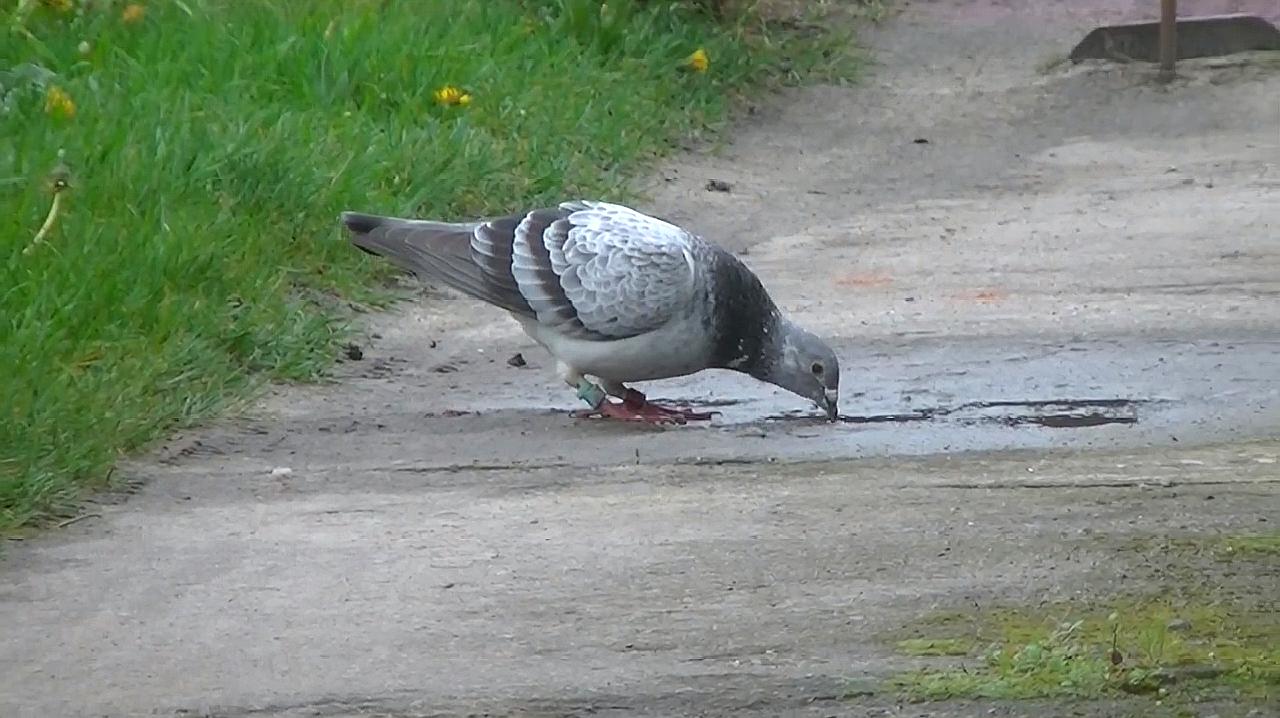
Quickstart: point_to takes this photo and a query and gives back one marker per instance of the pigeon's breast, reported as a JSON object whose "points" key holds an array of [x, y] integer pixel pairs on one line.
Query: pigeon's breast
{"points": [[677, 348]]}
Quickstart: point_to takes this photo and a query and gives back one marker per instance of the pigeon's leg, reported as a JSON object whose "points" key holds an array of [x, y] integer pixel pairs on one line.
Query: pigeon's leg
{"points": [[588, 392], [637, 402], [624, 411], [597, 399]]}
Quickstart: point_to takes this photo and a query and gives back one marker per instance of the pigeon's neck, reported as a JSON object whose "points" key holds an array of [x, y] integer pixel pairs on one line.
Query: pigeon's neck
{"points": [[745, 324]]}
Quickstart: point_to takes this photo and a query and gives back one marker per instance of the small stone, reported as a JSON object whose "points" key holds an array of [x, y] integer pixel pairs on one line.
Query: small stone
{"points": [[517, 360], [715, 185], [1179, 625], [281, 471], [354, 352]]}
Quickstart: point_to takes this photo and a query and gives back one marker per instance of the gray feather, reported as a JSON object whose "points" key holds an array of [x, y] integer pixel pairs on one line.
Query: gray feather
{"points": [[442, 252], [585, 269]]}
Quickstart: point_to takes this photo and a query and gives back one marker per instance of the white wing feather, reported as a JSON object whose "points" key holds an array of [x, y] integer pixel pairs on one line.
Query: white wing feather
{"points": [[625, 273]]}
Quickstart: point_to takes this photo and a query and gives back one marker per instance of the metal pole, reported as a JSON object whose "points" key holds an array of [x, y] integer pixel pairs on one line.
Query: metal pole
{"points": [[1168, 37]]}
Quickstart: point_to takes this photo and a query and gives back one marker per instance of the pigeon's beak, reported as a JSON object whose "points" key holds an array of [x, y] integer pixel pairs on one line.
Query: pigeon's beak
{"points": [[830, 401]]}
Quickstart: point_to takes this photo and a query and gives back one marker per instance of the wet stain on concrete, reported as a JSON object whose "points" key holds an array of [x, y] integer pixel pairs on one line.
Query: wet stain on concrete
{"points": [[1048, 413]]}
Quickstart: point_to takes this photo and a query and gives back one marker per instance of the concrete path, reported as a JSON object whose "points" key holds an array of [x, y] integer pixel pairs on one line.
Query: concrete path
{"points": [[1056, 294]]}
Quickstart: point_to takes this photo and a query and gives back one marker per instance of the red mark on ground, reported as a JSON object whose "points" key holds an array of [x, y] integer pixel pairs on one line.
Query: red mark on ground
{"points": [[984, 296], [864, 280]]}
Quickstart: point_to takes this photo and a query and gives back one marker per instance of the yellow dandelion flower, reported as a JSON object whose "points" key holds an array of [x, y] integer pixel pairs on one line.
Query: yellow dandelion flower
{"points": [[447, 95], [56, 5], [132, 13], [698, 61], [57, 103], [450, 95]]}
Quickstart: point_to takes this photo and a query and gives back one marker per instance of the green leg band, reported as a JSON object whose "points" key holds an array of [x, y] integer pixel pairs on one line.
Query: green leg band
{"points": [[590, 393]]}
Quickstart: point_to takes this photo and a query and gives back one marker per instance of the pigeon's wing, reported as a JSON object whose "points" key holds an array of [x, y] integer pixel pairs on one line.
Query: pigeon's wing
{"points": [[590, 270], [599, 271]]}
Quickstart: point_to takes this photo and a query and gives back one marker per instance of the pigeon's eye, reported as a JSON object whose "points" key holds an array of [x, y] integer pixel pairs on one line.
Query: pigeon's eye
{"points": [[816, 368]]}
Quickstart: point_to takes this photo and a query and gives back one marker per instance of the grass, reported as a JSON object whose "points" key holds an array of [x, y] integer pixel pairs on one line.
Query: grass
{"points": [[1229, 547], [210, 144], [935, 646], [1145, 646], [1252, 545], [1188, 643]]}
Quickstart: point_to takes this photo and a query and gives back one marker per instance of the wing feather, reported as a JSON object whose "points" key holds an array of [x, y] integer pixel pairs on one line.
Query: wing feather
{"points": [[591, 270], [625, 273]]}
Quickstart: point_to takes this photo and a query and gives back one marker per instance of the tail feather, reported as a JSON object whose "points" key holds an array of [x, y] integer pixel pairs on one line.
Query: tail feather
{"points": [[438, 251], [361, 223]]}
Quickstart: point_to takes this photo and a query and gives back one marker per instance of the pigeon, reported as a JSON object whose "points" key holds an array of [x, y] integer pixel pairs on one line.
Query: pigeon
{"points": [[614, 294]]}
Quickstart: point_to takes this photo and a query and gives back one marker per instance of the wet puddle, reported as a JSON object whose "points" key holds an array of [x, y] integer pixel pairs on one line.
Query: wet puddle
{"points": [[921, 398], [1048, 413]]}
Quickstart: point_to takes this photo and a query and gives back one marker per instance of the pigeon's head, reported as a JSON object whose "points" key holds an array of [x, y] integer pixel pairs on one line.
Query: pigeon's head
{"points": [[805, 365]]}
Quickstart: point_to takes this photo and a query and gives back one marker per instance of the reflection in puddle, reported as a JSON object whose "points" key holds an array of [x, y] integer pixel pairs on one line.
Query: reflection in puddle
{"points": [[1050, 413]]}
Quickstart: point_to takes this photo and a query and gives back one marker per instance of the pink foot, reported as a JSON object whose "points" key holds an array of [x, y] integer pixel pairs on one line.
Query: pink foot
{"points": [[636, 408]]}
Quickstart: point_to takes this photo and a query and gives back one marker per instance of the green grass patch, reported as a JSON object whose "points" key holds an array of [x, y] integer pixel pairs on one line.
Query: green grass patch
{"points": [[210, 144], [1157, 646], [1252, 545], [1228, 547], [935, 646]]}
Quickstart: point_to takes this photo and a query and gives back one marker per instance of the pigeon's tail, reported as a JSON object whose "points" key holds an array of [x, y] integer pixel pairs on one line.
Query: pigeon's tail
{"points": [[361, 224], [438, 251]]}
